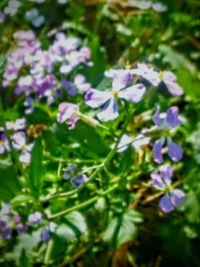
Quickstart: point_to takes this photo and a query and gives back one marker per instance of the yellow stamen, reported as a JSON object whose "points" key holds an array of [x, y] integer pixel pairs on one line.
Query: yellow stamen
{"points": [[161, 74], [115, 93]]}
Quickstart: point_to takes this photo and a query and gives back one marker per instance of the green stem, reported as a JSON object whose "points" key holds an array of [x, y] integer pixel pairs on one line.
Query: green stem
{"points": [[82, 205], [47, 256], [97, 171]]}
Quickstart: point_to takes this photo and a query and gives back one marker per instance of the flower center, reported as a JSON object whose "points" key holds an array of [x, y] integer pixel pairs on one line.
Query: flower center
{"points": [[161, 74], [115, 93]]}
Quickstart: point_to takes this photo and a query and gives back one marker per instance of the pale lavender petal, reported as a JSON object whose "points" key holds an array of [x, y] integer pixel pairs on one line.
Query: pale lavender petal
{"points": [[166, 172], [140, 141], [68, 112], [165, 204], [175, 151], [147, 73], [169, 76], [19, 140], [133, 93], [25, 157], [177, 197], [157, 151], [95, 98], [109, 111], [124, 143], [174, 88], [157, 180], [6, 209], [35, 218], [172, 118], [121, 80]]}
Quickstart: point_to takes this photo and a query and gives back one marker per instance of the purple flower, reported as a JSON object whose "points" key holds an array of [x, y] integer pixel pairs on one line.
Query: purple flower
{"points": [[45, 235], [3, 223], [6, 209], [171, 200], [81, 84], [69, 171], [33, 16], [17, 125], [35, 218], [21, 228], [17, 218], [68, 113], [108, 100], [28, 103], [79, 180], [24, 84], [2, 17], [12, 8], [70, 86], [166, 121], [161, 180], [85, 54], [4, 144], [6, 233], [155, 78], [137, 142], [19, 143]]}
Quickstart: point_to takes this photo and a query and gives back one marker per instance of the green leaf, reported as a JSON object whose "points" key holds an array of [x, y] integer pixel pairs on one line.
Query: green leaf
{"points": [[10, 185], [74, 227], [22, 198], [24, 260], [189, 83], [176, 59], [122, 228], [36, 168], [26, 242]]}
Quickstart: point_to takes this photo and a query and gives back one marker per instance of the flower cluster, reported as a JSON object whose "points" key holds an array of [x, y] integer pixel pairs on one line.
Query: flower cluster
{"points": [[121, 89], [162, 180], [18, 139], [10, 222], [76, 179], [34, 17], [167, 78], [41, 81], [165, 122]]}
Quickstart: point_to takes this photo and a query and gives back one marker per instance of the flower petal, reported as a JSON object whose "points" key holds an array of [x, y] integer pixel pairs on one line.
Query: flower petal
{"points": [[166, 172], [172, 118], [156, 117], [175, 151], [169, 76], [25, 157], [157, 180], [121, 80], [157, 151], [95, 98], [109, 111], [165, 204], [177, 197], [133, 93], [173, 88], [141, 140], [124, 143]]}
